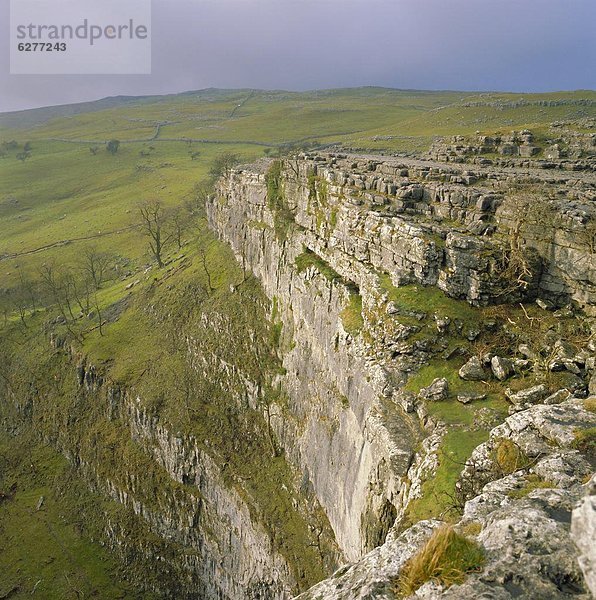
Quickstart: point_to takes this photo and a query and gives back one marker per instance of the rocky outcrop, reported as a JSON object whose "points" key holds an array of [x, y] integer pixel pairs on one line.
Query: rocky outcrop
{"points": [[437, 224], [184, 523], [534, 525], [342, 425], [583, 531], [324, 234], [565, 148]]}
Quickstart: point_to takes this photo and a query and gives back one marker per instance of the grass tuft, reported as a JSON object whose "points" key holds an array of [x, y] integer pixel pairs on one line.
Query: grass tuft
{"points": [[585, 442], [351, 316], [509, 456], [445, 559], [533, 482]]}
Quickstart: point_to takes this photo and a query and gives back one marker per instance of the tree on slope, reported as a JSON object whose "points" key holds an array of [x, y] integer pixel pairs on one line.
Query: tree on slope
{"points": [[154, 225]]}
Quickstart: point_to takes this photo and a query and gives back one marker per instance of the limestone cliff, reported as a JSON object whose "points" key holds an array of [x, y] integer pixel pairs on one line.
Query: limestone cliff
{"points": [[331, 237]]}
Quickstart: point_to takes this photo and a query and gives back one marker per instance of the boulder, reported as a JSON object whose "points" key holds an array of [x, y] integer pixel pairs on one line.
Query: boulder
{"points": [[392, 308], [442, 323], [531, 395], [472, 370], [437, 390], [521, 364], [467, 397], [526, 351], [592, 384], [501, 367], [583, 534], [558, 397], [544, 304]]}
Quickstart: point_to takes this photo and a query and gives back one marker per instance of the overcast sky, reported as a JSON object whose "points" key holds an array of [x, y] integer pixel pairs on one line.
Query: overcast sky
{"points": [[516, 45]]}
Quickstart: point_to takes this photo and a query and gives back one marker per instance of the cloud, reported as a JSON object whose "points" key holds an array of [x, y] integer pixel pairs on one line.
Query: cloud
{"points": [[535, 45]]}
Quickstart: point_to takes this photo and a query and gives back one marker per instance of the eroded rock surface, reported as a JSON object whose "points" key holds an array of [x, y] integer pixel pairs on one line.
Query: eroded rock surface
{"points": [[536, 525]]}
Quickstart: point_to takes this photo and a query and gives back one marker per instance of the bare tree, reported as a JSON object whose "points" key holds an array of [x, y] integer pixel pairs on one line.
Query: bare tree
{"points": [[82, 288], [61, 291], [97, 307], [528, 215], [18, 303], [222, 164], [153, 225], [29, 288], [95, 265], [203, 259], [179, 225]]}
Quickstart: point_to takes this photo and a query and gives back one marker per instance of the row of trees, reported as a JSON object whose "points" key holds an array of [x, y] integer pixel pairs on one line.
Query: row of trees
{"points": [[164, 227], [23, 153], [71, 289], [112, 147]]}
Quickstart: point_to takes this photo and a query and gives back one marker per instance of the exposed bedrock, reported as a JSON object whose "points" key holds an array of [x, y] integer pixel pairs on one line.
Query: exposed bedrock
{"points": [[351, 440], [324, 234]]}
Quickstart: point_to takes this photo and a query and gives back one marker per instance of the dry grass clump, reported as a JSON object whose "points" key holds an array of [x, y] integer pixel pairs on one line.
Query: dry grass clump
{"points": [[509, 456], [585, 442], [446, 558]]}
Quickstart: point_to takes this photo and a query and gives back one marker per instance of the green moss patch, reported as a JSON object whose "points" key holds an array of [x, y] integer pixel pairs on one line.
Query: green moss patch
{"points": [[48, 520], [351, 316], [585, 442], [438, 492], [308, 258], [509, 457]]}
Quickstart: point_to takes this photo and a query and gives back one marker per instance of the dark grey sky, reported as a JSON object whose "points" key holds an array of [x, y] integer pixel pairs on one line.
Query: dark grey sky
{"points": [[516, 45]]}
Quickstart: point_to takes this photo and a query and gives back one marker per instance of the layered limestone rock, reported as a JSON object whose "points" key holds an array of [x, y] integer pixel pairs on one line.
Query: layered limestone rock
{"points": [[198, 529], [440, 225], [183, 523], [565, 148], [324, 233], [342, 425]]}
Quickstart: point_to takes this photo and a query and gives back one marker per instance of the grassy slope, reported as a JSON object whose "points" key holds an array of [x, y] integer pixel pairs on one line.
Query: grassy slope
{"points": [[63, 192], [46, 550]]}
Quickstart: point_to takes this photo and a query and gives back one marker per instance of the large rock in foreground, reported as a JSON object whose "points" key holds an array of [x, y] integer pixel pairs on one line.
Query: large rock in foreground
{"points": [[535, 525]]}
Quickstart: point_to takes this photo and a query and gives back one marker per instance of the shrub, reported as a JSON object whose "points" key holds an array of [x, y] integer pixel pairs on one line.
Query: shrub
{"points": [[446, 559], [112, 146], [283, 217], [222, 164]]}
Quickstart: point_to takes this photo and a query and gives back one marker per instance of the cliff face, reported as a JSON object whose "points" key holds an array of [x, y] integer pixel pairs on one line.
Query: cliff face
{"points": [[198, 511], [329, 236], [430, 223], [288, 437], [341, 426]]}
